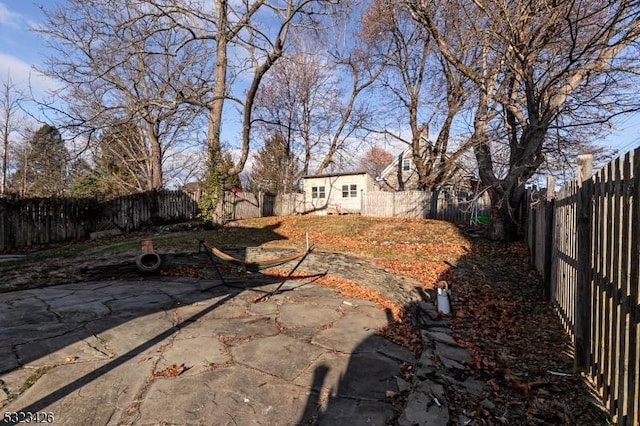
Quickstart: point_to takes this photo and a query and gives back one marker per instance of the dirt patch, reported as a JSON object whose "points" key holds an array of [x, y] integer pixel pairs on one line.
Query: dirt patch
{"points": [[49, 272]]}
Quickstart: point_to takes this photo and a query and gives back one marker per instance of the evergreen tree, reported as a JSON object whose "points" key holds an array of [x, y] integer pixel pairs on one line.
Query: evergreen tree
{"points": [[274, 170], [42, 171], [84, 182]]}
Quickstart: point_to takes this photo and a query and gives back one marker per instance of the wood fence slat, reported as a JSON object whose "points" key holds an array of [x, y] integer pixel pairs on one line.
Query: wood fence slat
{"points": [[634, 302], [548, 240], [604, 335], [598, 306], [614, 281], [573, 292], [556, 262], [623, 284], [608, 331], [603, 279], [606, 219]]}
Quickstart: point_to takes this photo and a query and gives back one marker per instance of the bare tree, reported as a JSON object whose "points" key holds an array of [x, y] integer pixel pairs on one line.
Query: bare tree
{"points": [[299, 100], [133, 77], [375, 160], [422, 91], [354, 117], [243, 41], [561, 149], [120, 161], [314, 95], [358, 69], [536, 66], [10, 120]]}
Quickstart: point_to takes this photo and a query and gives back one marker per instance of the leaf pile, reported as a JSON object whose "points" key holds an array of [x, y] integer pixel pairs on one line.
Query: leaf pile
{"points": [[516, 341], [416, 248], [171, 371]]}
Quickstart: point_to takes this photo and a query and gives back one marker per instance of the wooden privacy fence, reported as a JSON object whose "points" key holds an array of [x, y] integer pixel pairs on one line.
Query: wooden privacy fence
{"points": [[134, 211], [244, 205], [289, 204], [26, 222], [585, 242], [452, 206], [31, 221]]}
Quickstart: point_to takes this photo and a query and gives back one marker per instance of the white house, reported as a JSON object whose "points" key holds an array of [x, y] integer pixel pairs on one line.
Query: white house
{"points": [[402, 174], [337, 193]]}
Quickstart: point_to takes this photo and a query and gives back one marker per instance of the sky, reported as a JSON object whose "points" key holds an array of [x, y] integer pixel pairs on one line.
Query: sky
{"points": [[21, 50]]}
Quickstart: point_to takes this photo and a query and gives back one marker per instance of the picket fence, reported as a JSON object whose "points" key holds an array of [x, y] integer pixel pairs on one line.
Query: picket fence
{"points": [[585, 242]]}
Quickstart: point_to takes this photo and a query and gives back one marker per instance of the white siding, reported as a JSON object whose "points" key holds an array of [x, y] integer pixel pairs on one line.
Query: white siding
{"points": [[334, 201]]}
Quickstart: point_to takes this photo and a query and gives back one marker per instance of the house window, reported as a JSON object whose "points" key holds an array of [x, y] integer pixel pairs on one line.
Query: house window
{"points": [[406, 164], [349, 191], [317, 192]]}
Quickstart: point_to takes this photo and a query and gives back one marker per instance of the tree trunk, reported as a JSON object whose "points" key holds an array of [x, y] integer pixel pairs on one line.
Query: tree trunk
{"points": [[5, 147], [219, 87], [156, 168], [506, 207], [155, 179]]}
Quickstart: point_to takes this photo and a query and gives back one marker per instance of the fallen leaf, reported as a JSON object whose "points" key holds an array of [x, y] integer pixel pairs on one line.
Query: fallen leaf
{"points": [[171, 371]]}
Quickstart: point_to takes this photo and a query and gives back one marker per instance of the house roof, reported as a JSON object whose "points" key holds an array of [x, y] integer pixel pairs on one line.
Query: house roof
{"points": [[394, 164], [336, 175], [409, 150], [191, 186]]}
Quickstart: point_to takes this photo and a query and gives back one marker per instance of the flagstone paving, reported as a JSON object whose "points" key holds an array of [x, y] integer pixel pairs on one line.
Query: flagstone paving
{"points": [[187, 351]]}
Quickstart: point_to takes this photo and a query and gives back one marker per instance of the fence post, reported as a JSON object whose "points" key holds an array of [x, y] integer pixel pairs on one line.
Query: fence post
{"points": [[535, 232], [433, 209], [582, 308], [549, 235]]}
